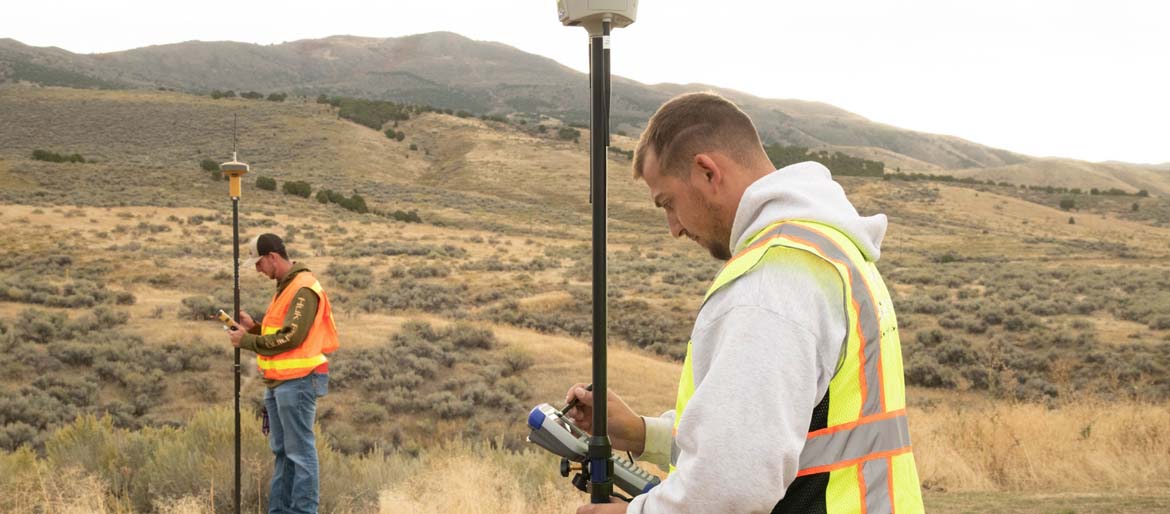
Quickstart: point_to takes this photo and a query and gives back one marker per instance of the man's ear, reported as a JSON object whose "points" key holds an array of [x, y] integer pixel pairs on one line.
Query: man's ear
{"points": [[707, 171]]}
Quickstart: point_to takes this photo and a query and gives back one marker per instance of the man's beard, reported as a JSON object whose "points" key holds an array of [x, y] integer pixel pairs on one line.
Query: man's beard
{"points": [[719, 251], [718, 246]]}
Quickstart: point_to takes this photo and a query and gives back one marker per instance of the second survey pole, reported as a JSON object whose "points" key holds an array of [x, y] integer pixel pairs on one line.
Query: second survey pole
{"points": [[235, 170]]}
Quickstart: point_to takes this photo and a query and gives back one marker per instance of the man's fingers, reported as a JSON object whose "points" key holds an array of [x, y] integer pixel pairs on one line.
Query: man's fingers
{"points": [[573, 392]]}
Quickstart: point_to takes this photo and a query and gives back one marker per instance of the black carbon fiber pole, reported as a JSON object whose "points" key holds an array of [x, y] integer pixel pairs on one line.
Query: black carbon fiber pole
{"points": [[236, 368], [600, 449], [234, 170]]}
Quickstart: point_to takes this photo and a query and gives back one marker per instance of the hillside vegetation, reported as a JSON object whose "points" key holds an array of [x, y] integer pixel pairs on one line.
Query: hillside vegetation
{"points": [[1036, 338]]}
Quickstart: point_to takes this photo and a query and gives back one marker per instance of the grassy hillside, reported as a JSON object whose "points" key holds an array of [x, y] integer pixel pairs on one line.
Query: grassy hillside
{"points": [[1031, 334], [451, 71], [1070, 173]]}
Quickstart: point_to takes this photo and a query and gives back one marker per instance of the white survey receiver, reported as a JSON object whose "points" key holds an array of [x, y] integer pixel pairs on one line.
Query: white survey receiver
{"points": [[591, 13], [551, 430]]}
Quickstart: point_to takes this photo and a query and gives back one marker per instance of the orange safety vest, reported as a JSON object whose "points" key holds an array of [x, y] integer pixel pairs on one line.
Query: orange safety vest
{"points": [[322, 337]]}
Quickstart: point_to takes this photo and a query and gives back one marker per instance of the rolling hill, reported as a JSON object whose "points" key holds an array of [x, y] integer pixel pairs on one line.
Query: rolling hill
{"points": [[450, 71]]}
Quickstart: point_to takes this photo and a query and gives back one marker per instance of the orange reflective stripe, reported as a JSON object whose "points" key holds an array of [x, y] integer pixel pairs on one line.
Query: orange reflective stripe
{"points": [[867, 323], [853, 304], [861, 383], [851, 462], [861, 488], [861, 421], [890, 484]]}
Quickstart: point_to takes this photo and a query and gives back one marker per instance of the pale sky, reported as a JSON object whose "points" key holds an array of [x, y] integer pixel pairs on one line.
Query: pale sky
{"points": [[1070, 78]]}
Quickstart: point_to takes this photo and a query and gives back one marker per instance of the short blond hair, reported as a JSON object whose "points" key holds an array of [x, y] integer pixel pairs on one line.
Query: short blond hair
{"points": [[693, 123]]}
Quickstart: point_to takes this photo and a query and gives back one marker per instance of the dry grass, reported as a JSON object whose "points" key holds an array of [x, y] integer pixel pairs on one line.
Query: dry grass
{"points": [[1078, 448], [32, 486], [478, 482]]}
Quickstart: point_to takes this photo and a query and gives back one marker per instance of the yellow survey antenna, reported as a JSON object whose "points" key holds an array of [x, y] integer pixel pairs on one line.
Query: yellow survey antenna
{"points": [[234, 169]]}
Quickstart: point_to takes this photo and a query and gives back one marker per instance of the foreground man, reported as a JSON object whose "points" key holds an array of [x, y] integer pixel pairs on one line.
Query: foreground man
{"points": [[792, 396], [290, 345]]}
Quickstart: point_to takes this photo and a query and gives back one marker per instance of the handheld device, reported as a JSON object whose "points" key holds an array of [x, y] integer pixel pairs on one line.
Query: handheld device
{"points": [[551, 430], [227, 321]]}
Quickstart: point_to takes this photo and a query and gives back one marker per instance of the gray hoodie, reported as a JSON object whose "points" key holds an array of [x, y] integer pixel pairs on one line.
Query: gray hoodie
{"points": [[763, 351]]}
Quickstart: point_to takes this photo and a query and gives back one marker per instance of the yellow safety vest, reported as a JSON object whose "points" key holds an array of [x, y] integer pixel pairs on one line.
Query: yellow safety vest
{"points": [[857, 457], [321, 339]]}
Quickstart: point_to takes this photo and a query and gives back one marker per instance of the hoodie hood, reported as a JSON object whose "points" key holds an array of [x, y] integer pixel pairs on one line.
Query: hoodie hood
{"points": [[805, 191]]}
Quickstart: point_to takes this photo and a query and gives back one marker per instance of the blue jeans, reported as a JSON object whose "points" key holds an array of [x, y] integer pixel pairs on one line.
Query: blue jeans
{"points": [[292, 406]]}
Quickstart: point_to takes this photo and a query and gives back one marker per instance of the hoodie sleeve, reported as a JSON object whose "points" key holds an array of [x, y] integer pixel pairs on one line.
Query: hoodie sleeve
{"points": [[763, 366], [659, 438]]}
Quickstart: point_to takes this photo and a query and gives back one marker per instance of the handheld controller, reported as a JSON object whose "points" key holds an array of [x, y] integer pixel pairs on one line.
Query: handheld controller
{"points": [[227, 321], [551, 430]]}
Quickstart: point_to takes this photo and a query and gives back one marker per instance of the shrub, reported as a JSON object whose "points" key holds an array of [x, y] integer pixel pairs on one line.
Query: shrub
{"points": [[925, 371], [124, 298], [350, 276], [16, 434], [277, 97], [367, 412], [516, 361], [1035, 388], [448, 406], [407, 217], [252, 95], [209, 165], [102, 318], [198, 308], [298, 188], [354, 203], [466, 336], [45, 155], [371, 113], [569, 134], [979, 378], [39, 326], [429, 271], [266, 183]]}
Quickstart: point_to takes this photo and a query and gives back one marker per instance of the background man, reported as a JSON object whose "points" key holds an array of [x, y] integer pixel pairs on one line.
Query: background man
{"points": [[791, 397], [290, 345]]}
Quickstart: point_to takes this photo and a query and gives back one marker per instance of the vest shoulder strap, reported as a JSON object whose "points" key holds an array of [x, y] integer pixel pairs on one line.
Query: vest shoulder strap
{"points": [[783, 234]]}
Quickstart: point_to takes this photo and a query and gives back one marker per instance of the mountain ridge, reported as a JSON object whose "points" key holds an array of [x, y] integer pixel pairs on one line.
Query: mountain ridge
{"points": [[449, 70]]}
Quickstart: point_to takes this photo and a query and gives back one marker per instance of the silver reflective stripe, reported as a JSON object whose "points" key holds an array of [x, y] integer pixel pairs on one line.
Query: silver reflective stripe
{"points": [[877, 486], [855, 443], [867, 315], [674, 451]]}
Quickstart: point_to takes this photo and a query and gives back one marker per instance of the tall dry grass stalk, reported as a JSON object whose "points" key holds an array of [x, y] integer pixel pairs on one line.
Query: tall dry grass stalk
{"points": [[468, 480], [1093, 446], [32, 486]]}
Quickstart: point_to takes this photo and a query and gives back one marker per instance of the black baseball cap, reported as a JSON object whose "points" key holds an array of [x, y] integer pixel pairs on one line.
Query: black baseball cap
{"points": [[262, 245]]}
